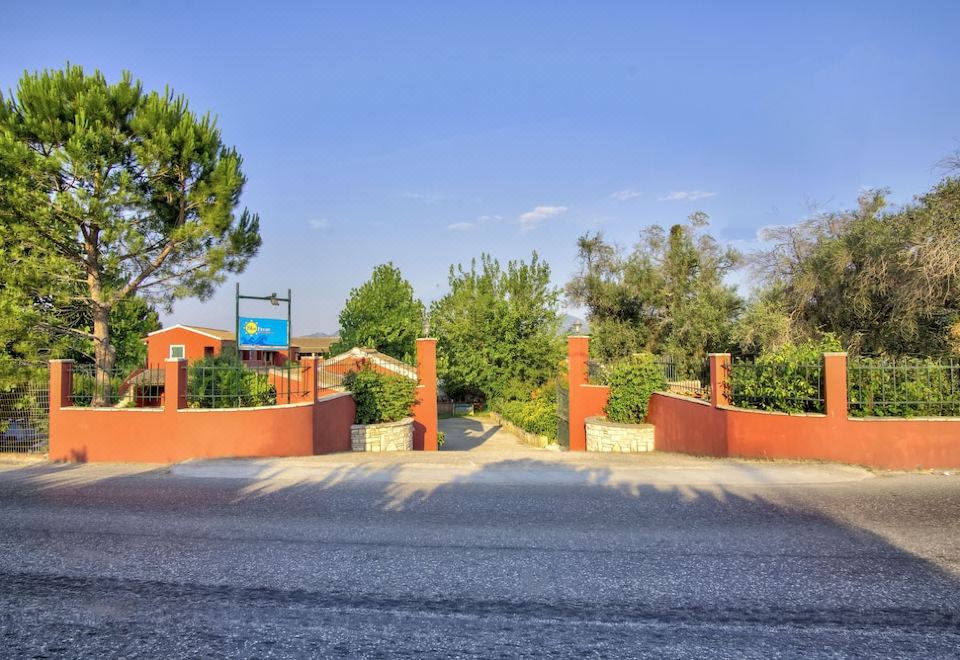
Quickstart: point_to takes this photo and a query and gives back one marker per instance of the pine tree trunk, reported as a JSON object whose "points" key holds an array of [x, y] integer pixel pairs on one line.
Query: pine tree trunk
{"points": [[104, 355]]}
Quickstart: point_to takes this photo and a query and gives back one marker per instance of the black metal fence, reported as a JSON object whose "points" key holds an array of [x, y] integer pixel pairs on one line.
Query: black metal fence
{"points": [[691, 380], [776, 386], [122, 387], [24, 407], [903, 387], [239, 385]]}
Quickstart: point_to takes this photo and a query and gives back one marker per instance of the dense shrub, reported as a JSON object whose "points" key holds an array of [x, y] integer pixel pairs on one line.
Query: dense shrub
{"points": [[380, 397], [222, 381], [906, 387], [786, 380], [537, 413], [632, 381]]}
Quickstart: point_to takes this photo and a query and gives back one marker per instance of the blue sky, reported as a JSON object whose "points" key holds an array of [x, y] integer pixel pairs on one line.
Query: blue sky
{"points": [[427, 133]]}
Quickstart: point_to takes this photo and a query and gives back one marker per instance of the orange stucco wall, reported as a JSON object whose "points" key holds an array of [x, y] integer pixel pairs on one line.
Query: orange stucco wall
{"points": [[585, 400], [686, 425], [174, 433], [158, 345], [332, 417], [691, 426], [425, 407]]}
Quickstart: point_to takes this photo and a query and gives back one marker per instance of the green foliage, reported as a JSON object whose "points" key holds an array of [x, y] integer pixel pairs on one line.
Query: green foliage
{"points": [[905, 387], [380, 397], [497, 327], [883, 280], [785, 380], [632, 382], [108, 192], [222, 382], [441, 438], [537, 413], [382, 314], [668, 296]]}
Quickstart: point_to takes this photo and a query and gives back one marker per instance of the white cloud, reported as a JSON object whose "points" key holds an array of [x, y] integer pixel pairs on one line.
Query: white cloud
{"points": [[319, 223], [624, 195], [683, 195], [470, 226], [531, 219]]}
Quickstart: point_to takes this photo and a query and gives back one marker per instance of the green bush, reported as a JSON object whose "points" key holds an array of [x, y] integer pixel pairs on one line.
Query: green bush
{"points": [[222, 382], [632, 381], [380, 397], [786, 380], [905, 387], [536, 414]]}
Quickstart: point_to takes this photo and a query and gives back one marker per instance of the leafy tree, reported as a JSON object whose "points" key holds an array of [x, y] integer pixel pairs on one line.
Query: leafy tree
{"points": [[667, 296], [108, 192], [382, 314], [498, 329], [883, 281]]}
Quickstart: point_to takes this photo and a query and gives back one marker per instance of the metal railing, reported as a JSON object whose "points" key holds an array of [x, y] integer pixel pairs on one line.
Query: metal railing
{"points": [[903, 387], [239, 385], [24, 407], [776, 386], [690, 380], [131, 387]]}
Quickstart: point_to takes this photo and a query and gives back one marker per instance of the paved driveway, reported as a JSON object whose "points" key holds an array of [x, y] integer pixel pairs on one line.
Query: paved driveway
{"points": [[481, 434]]}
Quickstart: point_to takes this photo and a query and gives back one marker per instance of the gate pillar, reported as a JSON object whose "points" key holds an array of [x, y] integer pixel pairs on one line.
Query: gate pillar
{"points": [[425, 408]]}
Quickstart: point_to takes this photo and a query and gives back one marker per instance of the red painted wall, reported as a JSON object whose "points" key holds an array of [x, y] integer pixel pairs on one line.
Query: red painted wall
{"points": [[686, 425], [174, 433], [691, 426], [332, 417], [425, 407], [158, 345], [585, 400]]}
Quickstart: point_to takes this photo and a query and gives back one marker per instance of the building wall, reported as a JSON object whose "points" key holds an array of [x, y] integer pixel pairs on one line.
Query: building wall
{"points": [[158, 345]]}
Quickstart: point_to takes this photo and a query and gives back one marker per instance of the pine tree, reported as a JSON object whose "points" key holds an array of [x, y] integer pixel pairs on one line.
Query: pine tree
{"points": [[108, 192]]}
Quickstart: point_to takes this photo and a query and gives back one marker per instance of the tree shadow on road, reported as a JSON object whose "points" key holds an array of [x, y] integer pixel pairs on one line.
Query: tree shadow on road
{"points": [[576, 545]]}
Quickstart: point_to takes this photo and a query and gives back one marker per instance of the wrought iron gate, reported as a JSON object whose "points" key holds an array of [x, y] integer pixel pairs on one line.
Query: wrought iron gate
{"points": [[563, 416]]}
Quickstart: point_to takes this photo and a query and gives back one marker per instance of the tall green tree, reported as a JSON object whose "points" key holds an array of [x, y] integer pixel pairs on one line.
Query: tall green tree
{"points": [[108, 192], [382, 314], [667, 296], [882, 280], [498, 329]]}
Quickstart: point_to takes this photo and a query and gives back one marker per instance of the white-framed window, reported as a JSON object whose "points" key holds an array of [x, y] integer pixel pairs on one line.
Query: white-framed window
{"points": [[177, 351]]}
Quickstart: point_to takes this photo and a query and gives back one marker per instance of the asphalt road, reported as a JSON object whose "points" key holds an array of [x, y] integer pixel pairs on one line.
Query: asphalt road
{"points": [[102, 562]]}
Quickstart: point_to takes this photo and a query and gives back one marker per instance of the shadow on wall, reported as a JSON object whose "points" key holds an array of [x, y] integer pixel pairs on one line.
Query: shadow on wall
{"points": [[668, 544]]}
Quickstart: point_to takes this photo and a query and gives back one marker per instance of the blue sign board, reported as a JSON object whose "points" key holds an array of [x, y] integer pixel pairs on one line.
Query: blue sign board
{"points": [[263, 334]]}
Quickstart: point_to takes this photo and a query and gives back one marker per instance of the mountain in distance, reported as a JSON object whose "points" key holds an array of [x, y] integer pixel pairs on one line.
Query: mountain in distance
{"points": [[568, 323], [323, 334]]}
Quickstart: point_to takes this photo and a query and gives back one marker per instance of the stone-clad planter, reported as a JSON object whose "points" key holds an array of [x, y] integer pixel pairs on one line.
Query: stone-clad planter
{"points": [[604, 435], [389, 436]]}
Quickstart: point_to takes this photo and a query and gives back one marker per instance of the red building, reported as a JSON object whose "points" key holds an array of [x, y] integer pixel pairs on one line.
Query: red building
{"points": [[193, 343]]}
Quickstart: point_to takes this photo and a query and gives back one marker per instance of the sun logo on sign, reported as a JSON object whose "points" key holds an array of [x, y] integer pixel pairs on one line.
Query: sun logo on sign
{"points": [[250, 327]]}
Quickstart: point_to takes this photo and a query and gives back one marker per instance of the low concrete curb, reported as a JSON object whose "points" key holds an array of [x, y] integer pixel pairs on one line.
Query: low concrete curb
{"points": [[394, 469]]}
